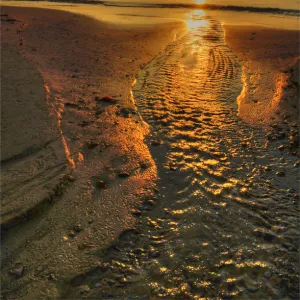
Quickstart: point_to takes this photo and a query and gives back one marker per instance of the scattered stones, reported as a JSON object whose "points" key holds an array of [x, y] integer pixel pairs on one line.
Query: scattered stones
{"points": [[106, 99], [17, 270], [101, 184], [280, 173]]}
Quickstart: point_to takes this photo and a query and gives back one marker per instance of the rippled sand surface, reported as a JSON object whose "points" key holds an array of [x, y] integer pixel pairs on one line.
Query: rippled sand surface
{"points": [[225, 224]]}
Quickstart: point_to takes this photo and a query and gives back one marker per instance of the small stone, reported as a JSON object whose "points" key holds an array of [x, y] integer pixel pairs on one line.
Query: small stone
{"points": [[101, 184], [107, 99], [268, 274], [136, 212], [267, 168], [266, 235], [244, 144], [297, 163], [153, 254], [281, 136], [280, 173], [281, 147], [156, 143], [92, 144], [143, 165], [72, 234], [125, 112], [83, 289], [98, 285], [52, 277], [151, 202], [77, 228], [17, 270], [123, 174]]}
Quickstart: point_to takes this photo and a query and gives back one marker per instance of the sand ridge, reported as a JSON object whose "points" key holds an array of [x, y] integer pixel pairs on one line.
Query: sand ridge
{"points": [[270, 63]]}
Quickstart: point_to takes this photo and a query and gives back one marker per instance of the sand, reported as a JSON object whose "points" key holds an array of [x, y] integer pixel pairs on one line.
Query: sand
{"points": [[105, 170], [77, 164], [270, 66]]}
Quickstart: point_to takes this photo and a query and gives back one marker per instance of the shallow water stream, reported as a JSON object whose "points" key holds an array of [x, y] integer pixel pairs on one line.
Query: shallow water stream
{"points": [[224, 224]]}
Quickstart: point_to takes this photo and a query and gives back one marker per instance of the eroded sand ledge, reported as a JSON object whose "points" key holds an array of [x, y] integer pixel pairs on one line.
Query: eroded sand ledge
{"points": [[80, 60], [270, 65]]}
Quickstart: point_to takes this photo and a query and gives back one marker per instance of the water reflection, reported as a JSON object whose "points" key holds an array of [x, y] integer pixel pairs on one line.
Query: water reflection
{"points": [[212, 233]]}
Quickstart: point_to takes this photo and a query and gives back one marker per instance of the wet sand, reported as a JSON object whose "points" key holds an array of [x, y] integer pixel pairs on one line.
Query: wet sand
{"points": [[270, 66], [106, 169], [51, 246]]}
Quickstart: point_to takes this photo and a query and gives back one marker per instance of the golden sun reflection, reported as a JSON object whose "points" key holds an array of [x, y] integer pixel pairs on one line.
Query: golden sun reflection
{"points": [[195, 20]]}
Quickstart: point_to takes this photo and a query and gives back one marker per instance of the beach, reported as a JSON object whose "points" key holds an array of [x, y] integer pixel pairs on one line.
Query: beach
{"points": [[78, 157]]}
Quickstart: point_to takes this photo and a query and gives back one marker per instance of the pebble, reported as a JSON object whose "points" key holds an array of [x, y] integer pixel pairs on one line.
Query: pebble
{"points": [[267, 168], [153, 254], [151, 202], [92, 145], [123, 174], [136, 212], [77, 228], [280, 173], [281, 147], [107, 99], [101, 184], [52, 277], [268, 274], [17, 270], [143, 165], [156, 143], [72, 234], [266, 235], [297, 163], [83, 289], [125, 112]]}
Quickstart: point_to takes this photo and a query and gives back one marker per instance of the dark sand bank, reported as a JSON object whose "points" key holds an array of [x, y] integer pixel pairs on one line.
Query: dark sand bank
{"points": [[270, 63], [109, 169]]}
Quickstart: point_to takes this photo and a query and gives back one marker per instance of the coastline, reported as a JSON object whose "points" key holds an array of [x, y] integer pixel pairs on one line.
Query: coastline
{"points": [[81, 60]]}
